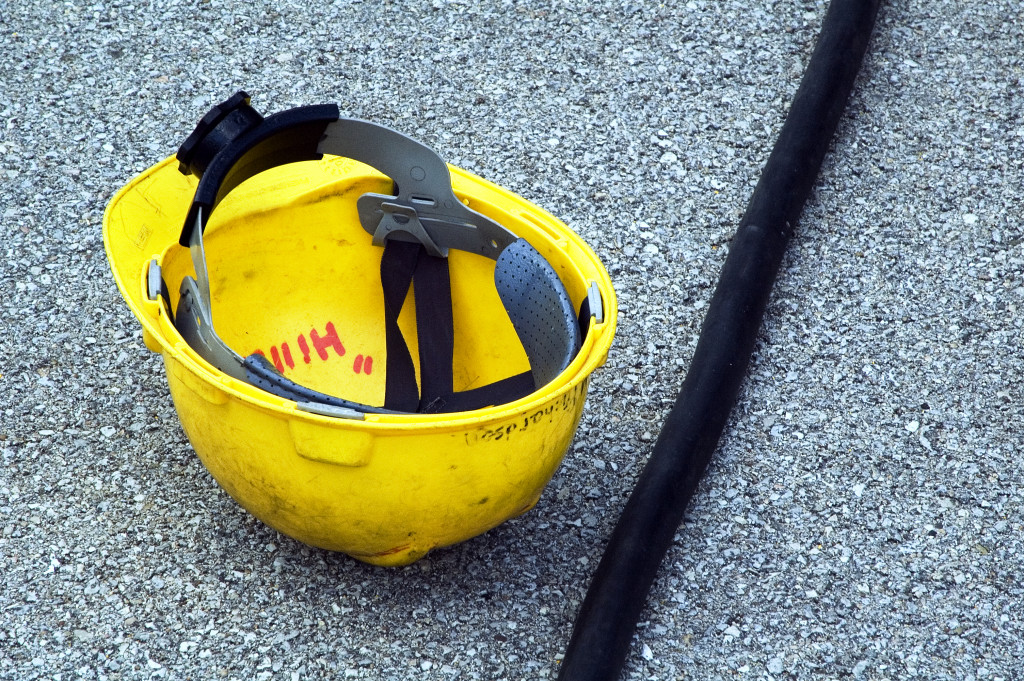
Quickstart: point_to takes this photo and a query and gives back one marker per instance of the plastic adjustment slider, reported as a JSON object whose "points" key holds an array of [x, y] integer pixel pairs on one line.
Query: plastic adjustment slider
{"points": [[221, 125]]}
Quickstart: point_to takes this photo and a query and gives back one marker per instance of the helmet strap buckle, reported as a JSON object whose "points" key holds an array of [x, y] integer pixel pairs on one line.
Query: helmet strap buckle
{"points": [[398, 222]]}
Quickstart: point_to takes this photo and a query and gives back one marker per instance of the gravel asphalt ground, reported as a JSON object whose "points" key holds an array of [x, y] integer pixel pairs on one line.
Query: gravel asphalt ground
{"points": [[864, 515]]}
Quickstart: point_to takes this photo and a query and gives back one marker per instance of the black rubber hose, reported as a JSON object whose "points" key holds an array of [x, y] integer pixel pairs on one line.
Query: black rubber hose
{"points": [[607, 619]]}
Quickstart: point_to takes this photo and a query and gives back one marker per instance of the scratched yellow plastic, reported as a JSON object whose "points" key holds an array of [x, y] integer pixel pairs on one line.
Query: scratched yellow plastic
{"points": [[293, 275]]}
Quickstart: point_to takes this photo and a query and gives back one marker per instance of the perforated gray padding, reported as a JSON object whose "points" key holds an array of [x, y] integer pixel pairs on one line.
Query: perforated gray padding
{"points": [[540, 310]]}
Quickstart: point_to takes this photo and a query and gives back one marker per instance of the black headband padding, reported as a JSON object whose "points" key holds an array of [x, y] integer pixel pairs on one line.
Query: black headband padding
{"points": [[286, 137], [221, 124], [262, 374]]}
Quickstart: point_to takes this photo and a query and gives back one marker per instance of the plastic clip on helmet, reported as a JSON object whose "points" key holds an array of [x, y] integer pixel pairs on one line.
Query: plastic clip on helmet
{"points": [[371, 351]]}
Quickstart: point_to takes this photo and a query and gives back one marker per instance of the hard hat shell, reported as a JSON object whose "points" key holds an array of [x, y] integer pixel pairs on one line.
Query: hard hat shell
{"points": [[294, 277]]}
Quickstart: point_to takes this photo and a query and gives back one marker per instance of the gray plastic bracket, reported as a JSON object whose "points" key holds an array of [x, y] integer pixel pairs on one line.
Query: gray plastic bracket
{"points": [[425, 208], [396, 222], [330, 410], [194, 318], [154, 278], [595, 302]]}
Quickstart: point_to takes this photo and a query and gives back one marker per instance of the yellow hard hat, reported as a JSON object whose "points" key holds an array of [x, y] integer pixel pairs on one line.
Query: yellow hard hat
{"points": [[371, 351]]}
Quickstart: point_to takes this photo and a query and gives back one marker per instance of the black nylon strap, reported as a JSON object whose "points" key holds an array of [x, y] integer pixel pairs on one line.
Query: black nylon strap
{"points": [[404, 264], [435, 328], [500, 392], [584, 318], [397, 266]]}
